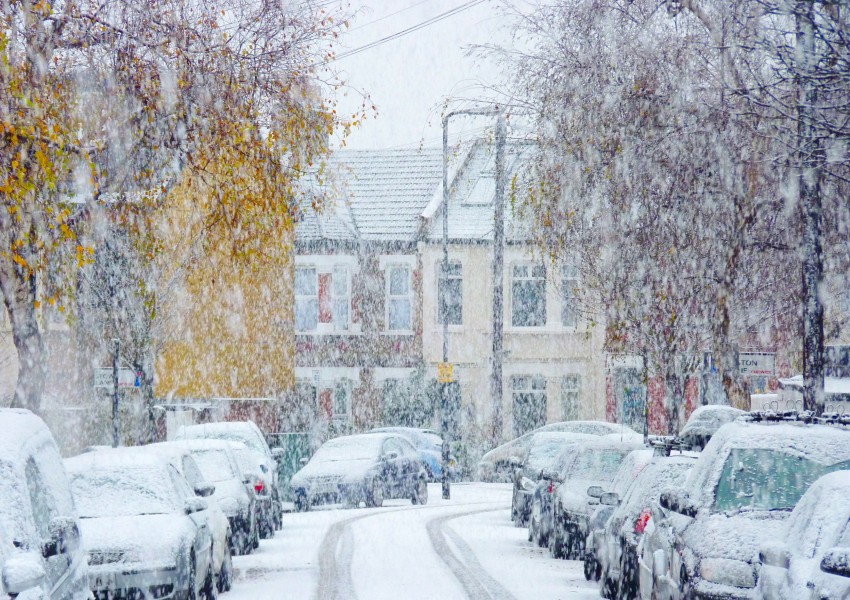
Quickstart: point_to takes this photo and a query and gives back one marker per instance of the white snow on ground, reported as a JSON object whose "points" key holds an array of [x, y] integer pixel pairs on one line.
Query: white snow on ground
{"points": [[388, 553]]}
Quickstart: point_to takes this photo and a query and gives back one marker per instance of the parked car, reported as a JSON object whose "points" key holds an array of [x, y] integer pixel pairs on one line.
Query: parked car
{"points": [[615, 547], [292, 449], [543, 451], [248, 433], [593, 468], [233, 493], [257, 484], [145, 530], [429, 444], [819, 526], [608, 498], [41, 553], [496, 465], [540, 516], [370, 467], [702, 424], [739, 495]]}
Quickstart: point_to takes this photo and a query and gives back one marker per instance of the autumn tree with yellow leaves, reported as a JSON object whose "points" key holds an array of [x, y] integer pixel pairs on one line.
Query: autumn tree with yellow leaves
{"points": [[111, 102]]}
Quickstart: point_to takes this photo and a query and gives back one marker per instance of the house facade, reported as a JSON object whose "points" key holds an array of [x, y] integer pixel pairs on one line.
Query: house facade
{"points": [[553, 367], [358, 290]]}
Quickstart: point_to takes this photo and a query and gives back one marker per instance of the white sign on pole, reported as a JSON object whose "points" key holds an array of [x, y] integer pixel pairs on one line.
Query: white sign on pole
{"points": [[126, 378], [757, 364]]}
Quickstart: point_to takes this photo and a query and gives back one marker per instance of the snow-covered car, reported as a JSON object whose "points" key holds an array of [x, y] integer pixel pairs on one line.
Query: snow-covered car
{"points": [[540, 515], [593, 468], [430, 447], [544, 449], [738, 496], [615, 547], [144, 529], [257, 485], [41, 553], [369, 467], [182, 459], [819, 526], [233, 491], [499, 463], [270, 509], [702, 424]]}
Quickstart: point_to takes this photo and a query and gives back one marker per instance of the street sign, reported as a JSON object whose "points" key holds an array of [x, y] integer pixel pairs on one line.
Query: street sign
{"points": [[445, 372], [757, 363], [127, 378]]}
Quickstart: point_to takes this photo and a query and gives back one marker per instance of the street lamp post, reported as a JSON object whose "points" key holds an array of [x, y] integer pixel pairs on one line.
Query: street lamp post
{"points": [[447, 431]]}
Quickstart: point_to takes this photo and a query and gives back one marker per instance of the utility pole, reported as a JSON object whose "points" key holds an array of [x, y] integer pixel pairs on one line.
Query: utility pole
{"points": [[116, 427], [496, 392], [446, 426]]}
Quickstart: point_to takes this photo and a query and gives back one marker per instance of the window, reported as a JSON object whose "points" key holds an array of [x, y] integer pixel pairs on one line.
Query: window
{"points": [[529, 402], [569, 290], [570, 396], [342, 398], [322, 299], [399, 298], [529, 296], [306, 299], [43, 509], [451, 293]]}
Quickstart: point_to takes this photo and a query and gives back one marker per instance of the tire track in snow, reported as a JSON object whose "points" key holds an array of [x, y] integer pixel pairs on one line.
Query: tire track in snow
{"points": [[473, 577], [337, 550]]}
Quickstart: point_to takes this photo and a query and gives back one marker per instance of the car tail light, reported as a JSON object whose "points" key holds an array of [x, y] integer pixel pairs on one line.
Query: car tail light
{"points": [[551, 487], [259, 486], [642, 520]]}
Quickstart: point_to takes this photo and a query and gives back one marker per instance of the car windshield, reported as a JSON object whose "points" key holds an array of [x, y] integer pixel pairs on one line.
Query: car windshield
{"points": [[597, 463], [353, 448], [123, 492], [214, 465], [433, 439], [766, 479], [543, 453]]}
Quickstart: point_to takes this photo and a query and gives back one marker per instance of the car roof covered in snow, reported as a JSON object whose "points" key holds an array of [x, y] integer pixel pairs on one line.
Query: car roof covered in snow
{"points": [[18, 427], [821, 515], [115, 458]]}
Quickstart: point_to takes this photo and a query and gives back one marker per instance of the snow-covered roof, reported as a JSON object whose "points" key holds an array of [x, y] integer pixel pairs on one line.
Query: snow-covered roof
{"points": [[471, 203], [384, 191], [333, 223], [831, 385]]}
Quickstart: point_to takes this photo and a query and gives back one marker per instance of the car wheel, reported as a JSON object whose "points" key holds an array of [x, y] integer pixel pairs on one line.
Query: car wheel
{"points": [[556, 544], [225, 575], [255, 537], [685, 592], [420, 492], [375, 494], [210, 589], [608, 589], [590, 567], [302, 504]]}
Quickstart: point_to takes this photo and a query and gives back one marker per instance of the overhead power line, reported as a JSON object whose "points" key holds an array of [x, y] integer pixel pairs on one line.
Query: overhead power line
{"points": [[403, 32], [392, 14]]}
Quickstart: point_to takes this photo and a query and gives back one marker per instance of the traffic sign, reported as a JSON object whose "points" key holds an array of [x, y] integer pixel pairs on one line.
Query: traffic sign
{"points": [[127, 378], [445, 372]]}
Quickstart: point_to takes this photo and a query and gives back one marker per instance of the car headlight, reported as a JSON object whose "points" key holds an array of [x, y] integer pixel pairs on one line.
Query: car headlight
{"points": [[725, 571], [527, 484], [229, 506]]}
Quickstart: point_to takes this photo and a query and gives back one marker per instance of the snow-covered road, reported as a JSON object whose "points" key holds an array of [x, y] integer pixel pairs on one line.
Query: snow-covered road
{"points": [[464, 548]]}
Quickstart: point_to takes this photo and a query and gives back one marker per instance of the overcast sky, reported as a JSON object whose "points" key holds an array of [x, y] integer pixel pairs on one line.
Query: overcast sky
{"points": [[410, 77]]}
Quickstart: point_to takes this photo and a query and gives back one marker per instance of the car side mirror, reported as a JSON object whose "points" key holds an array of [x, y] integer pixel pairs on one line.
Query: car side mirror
{"points": [[278, 454], [836, 562], [679, 501], [193, 505], [64, 537], [392, 455], [22, 573], [204, 489], [775, 554], [595, 491], [610, 499], [515, 461]]}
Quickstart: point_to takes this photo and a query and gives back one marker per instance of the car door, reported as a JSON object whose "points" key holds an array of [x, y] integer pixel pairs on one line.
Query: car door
{"points": [[203, 533], [411, 464], [391, 456]]}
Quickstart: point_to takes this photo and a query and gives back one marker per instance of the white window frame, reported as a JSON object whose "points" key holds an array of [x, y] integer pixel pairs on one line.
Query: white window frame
{"points": [[439, 272], [575, 379], [529, 277], [332, 268], [570, 281], [389, 297], [337, 326], [298, 297]]}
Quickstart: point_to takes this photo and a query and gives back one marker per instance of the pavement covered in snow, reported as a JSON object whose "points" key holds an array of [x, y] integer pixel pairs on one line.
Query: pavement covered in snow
{"points": [[465, 547]]}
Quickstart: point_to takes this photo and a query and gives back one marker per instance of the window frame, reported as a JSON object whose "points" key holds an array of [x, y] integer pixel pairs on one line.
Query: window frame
{"points": [[440, 279], [529, 277], [389, 297], [570, 281], [333, 269]]}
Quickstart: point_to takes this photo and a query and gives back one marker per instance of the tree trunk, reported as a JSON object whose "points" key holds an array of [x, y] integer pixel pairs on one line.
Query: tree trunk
{"points": [[18, 287]]}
